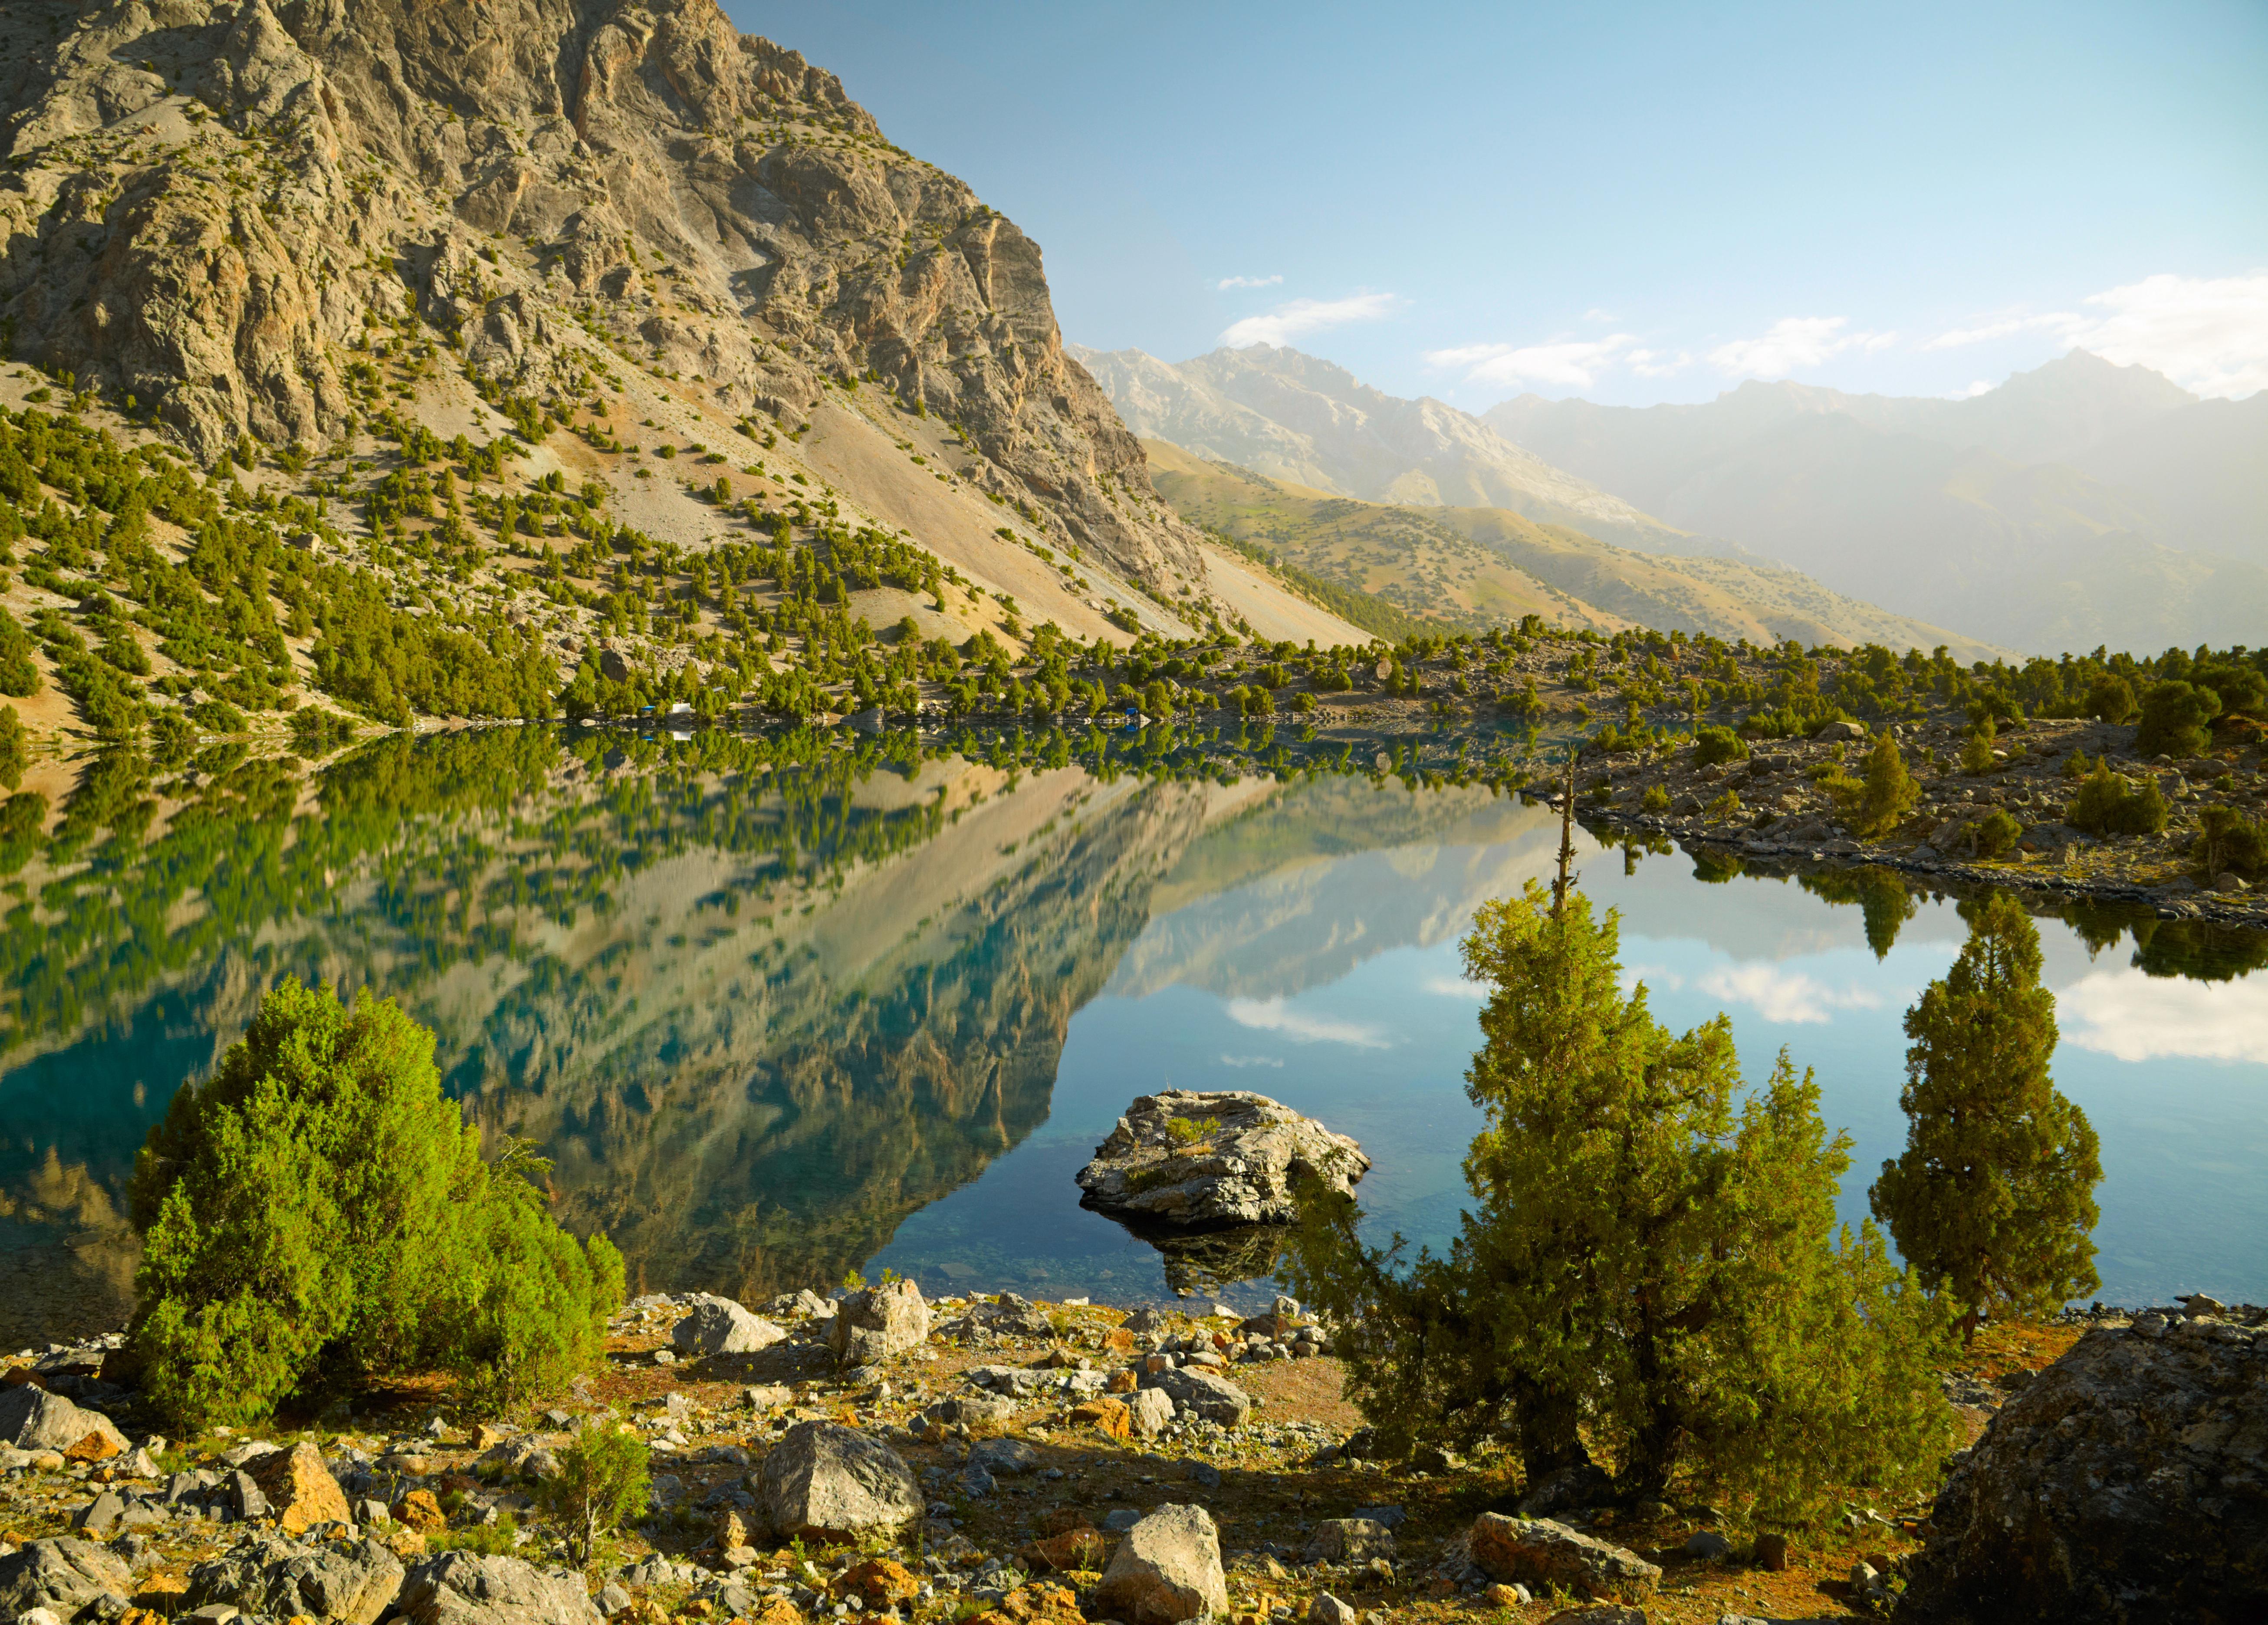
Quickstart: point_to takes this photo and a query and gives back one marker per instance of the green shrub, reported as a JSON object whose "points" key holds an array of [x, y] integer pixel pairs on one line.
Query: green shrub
{"points": [[2228, 843], [602, 1484], [2174, 719], [19, 676], [2111, 700], [15, 748], [1713, 744], [1656, 799], [316, 1215], [1976, 750], [1997, 835], [2107, 804], [1877, 803]]}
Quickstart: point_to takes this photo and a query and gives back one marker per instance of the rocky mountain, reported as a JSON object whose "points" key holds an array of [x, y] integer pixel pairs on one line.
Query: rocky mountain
{"points": [[2079, 504], [233, 217], [1295, 418], [1481, 566]]}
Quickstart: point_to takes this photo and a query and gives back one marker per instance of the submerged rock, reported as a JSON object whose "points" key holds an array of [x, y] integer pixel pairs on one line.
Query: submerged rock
{"points": [[1190, 1159], [2122, 1483]]}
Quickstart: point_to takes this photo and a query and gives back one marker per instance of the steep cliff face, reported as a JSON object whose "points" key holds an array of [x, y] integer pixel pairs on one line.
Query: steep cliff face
{"points": [[205, 205]]}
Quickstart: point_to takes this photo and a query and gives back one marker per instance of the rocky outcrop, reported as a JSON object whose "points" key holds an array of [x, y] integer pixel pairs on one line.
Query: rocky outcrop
{"points": [[62, 1576], [879, 1322], [465, 1588], [717, 1325], [31, 1418], [826, 1481], [1540, 1551], [285, 1579], [1190, 1159], [208, 200], [1167, 1570], [2123, 1484]]}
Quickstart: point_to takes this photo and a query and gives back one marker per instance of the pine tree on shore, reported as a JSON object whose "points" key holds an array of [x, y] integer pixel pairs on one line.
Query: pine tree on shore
{"points": [[1992, 1202]]}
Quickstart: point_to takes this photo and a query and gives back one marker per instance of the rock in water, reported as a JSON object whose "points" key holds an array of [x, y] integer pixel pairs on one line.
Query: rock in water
{"points": [[717, 1325], [463, 1588], [31, 1418], [283, 1578], [1167, 1570], [824, 1481], [1200, 1160], [872, 1325], [60, 1576], [2124, 1483], [300, 1488], [1539, 1551]]}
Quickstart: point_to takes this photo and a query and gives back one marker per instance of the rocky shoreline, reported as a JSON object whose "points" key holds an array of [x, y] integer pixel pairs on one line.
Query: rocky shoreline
{"points": [[1040, 1464]]}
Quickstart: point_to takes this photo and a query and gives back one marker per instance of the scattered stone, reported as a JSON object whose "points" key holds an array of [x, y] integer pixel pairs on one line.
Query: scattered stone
{"points": [[1597, 1613], [465, 1588], [1541, 1552], [612, 1597], [1706, 1545], [1067, 1550], [824, 1481], [299, 1489], [283, 1579], [1005, 1458], [1505, 1596], [881, 1321], [717, 1325], [971, 1410], [1348, 1540], [880, 1582], [1167, 1570], [1584, 1484], [1202, 1394], [1329, 1610], [420, 1510], [1205, 1159], [767, 1396], [1107, 1416], [62, 1576], [2129, 1469], [31, 1418]]}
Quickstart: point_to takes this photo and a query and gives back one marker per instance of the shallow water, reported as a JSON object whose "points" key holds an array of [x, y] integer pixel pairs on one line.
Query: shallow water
{"points": [[778, 1013]]}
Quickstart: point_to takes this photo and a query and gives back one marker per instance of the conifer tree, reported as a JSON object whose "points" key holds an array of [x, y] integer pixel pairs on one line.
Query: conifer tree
{"points": [[1885, 795], [1651, 1258], [1992, 1200]]}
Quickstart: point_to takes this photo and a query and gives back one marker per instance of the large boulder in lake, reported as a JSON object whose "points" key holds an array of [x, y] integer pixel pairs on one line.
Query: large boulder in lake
{"points": [[31, 1418], [465, 1588], [825, 1482], [285, 1579], [1167, 1570], [1207, 1159], [879, 1322], [2124, 1483], [62, 1576], [717, 1325]]}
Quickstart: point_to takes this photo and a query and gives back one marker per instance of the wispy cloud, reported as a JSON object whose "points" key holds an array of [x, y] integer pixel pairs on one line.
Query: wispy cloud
{"points": [[1294, 317], [1252, 1061], [1456, 987], [1301, 1027], [1795, 344], [1226, 283], [2137, 1016], [1573, 361], [1789, 997], [2208, 334], [1651, 975]]}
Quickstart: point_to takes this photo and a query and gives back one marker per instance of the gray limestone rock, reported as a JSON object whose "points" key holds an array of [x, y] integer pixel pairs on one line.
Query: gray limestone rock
{"points": [[873, 1324], [60, 1576], [1167, 1570], [1192, 1159], [717, 1325], [1201, 1393], [31, 1418], [823, 1480], [275, 1575], [465, 1588], [1349, 1540]]}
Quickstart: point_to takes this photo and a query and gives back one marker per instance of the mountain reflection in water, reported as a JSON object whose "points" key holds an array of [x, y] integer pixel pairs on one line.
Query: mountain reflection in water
{"points": [[783, 1007]]}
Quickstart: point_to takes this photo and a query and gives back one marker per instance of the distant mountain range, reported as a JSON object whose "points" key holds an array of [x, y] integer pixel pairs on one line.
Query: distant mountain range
{"points": [[2080, 504]]}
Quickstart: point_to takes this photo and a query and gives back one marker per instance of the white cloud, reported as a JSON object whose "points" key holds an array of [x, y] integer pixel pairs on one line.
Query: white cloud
{"points": [[1456, 987], [1596, 314], [1274, 1016], [1253, 1060], [1976, 387], [1658, 363], [2208, 334], [1651, 975], [1573, 361], [1294, 317], [1226, 283], [2136, 1017], [1794, 343], [1789, 997]]}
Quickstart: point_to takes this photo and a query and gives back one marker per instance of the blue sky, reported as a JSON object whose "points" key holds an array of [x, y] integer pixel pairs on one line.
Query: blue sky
{"points": [[1630, 203]]}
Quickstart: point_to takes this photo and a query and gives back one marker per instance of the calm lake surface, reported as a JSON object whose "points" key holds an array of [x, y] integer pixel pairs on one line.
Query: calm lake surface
{"points": [[780, 1010]]}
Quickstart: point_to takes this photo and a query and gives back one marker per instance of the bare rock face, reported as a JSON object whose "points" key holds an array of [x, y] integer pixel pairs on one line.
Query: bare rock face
{"points": [[62, 1576], [286, 1579], [2124, 1483], [31, 1418], [465, 1588], [205, 199], [826, 1481], [717, 1325], [1190, 1159], [880, 1321], [1540, 1551], [1167, 1570]]}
